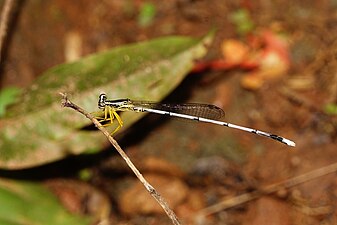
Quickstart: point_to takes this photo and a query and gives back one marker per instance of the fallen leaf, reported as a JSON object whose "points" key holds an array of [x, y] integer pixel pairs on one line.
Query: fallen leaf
{"points": [[252, 81], [161, 166], [234, 52], [136, 200], [267, 211]]}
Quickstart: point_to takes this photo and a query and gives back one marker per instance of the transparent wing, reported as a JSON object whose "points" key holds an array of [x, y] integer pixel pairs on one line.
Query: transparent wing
{"points": [[194, 109]]}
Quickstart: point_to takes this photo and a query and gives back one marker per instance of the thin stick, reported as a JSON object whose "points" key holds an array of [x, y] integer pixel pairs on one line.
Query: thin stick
{"points": [[67, 103], [4, 22], [228, 203]]}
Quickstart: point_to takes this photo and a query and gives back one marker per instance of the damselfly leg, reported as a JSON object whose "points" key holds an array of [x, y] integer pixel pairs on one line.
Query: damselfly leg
{"points": [[109, 114]]}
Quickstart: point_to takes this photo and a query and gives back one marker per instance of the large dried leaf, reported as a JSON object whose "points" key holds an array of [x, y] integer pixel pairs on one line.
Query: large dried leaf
{"points": [[37, 130]]}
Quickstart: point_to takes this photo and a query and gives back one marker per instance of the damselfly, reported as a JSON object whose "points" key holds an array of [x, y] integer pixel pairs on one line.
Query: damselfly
{"points": [[191, 111]]}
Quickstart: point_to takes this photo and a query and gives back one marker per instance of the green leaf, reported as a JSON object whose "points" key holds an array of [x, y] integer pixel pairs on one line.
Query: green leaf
{"points": [[146, 14], [242, 21], [28, 203], [8, 96], [37, 130], [331, 109]]}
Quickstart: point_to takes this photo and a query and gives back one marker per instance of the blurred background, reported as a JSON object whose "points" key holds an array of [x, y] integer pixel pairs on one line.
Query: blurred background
{"points": [[272, 66]]}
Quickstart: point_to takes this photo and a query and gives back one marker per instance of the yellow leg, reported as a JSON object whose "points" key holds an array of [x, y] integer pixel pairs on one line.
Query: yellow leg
{"points": [[104, 117], [106, 109], [112, 114], [119, 120], [109, 115]]}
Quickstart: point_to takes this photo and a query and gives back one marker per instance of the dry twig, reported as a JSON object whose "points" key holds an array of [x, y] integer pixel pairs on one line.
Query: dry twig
{"points": [[67, 103], [228, 203], [4, 20]]}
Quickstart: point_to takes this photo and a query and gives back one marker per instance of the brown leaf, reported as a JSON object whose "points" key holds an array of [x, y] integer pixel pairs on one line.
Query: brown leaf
{"points": [[136, 200]]}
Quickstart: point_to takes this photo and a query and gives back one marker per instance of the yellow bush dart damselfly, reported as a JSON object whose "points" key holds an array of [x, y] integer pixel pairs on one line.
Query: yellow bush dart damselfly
{"points": [[192, 111]]}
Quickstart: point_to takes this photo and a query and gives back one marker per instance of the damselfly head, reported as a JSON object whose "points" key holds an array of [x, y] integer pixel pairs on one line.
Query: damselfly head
{"points": [[117, 104], [101, 100]]}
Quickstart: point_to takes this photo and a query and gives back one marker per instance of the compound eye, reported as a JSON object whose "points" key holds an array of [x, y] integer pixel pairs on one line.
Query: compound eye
{"points": [[102, 96], [101, 100]]}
